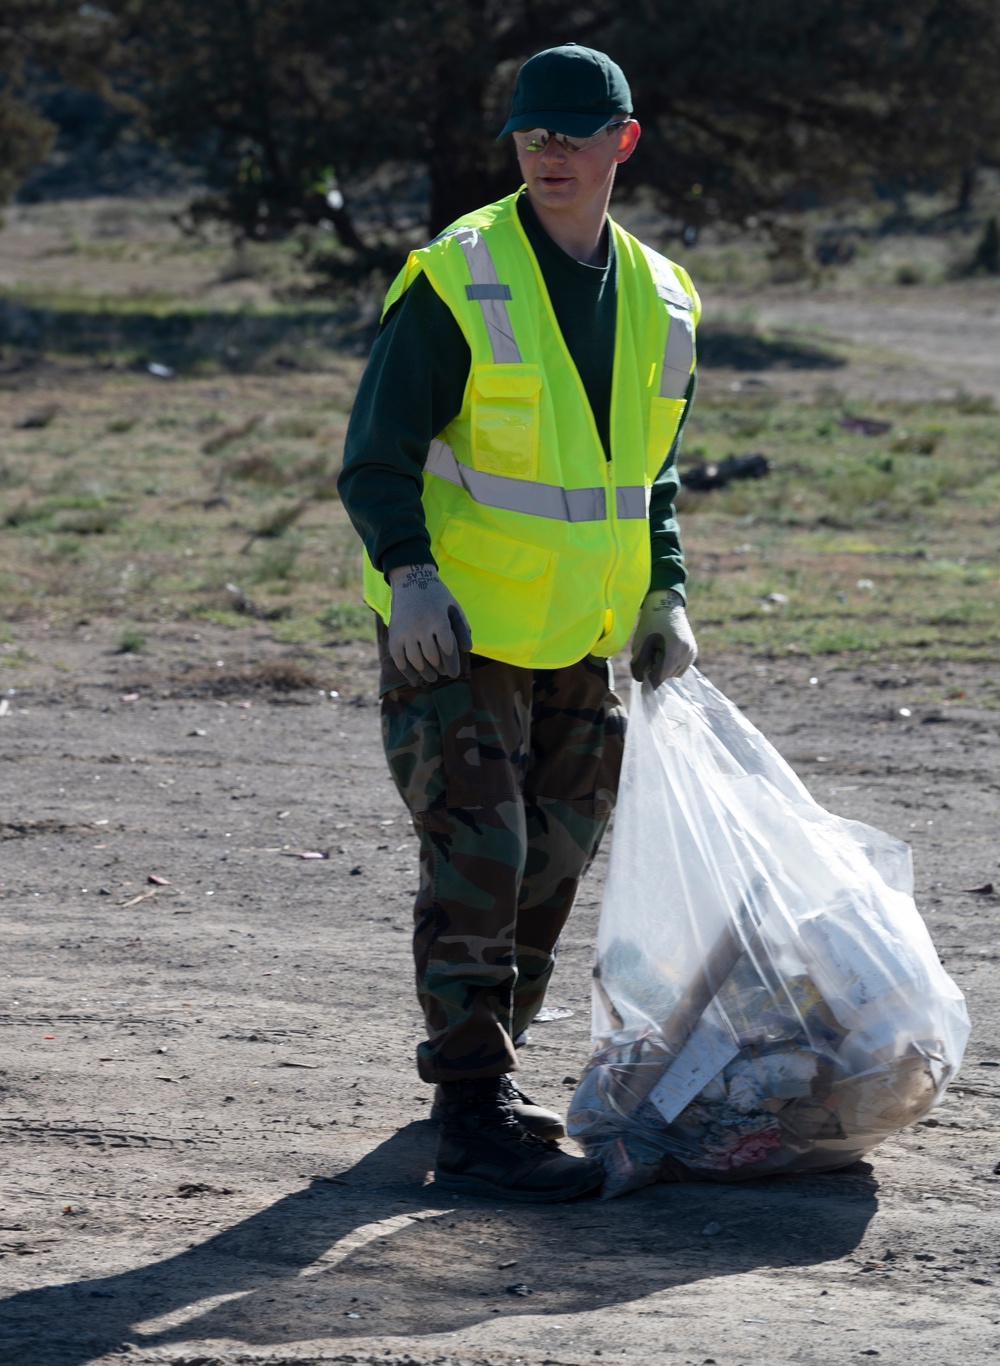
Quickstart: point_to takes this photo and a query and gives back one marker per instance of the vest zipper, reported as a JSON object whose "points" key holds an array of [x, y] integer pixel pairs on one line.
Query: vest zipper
{"points": [[611, 506]]}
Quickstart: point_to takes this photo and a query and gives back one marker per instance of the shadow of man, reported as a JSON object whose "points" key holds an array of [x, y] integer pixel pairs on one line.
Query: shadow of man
{"points": [[377, 1251]]}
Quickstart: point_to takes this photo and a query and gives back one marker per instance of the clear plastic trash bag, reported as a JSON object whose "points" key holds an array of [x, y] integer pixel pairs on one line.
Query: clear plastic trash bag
{"points": [[766, 995]]}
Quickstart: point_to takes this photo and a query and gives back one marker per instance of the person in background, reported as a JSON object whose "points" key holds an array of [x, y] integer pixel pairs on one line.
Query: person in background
{"points": [[510, 465]]}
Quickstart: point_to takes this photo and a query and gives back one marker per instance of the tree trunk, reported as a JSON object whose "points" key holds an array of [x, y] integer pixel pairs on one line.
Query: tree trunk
{"points": [[465, 165], [966, 188], [343, 226], [459, 186], [319, 210]]}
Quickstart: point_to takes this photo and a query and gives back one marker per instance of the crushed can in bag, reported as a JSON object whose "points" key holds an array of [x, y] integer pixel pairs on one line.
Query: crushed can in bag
{"points": [[766, 995]]}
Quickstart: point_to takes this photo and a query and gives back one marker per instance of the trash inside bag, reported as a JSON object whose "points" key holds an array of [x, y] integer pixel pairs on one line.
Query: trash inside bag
{"points": [[766, 995]]}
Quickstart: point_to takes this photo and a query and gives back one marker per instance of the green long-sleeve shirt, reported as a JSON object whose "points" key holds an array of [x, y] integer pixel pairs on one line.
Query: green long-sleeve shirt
{"points": [[414, 385]]}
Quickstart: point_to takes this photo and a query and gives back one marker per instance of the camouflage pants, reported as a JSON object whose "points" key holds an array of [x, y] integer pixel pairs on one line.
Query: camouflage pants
{"points": [[510, 775]]}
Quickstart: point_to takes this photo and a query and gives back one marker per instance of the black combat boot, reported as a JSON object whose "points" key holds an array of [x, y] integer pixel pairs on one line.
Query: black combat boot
{"points": [[535, 1118], [484, 1150]]}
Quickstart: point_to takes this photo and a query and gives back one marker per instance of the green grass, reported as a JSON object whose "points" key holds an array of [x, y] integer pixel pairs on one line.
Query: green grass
{"points": [[138, 329], [115, 510], [211, 496], [84, 514], [349, 621], [881, 546], [852, 547], [131, 641]]}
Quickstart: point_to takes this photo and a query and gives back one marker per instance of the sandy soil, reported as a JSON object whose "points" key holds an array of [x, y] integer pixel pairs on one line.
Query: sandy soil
{"points": [[929, 342], [216, 1146]]}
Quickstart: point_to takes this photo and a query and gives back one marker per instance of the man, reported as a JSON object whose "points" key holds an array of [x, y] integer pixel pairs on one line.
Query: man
{"points": [[510, 466]]}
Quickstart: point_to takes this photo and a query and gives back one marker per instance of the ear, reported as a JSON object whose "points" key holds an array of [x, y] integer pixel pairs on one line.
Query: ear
{"points": [[629, 137]]}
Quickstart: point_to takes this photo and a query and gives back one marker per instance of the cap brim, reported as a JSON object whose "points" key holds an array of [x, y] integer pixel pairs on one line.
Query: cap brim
{"points": [[573, 125]]}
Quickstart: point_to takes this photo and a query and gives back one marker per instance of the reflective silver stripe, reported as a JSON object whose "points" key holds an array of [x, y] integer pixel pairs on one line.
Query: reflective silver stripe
{"points": [[582, 505], [632, 502], [494, 304], [678, 357], [672, 295], [667, 284], [441, 461], [448, 232], [474, 292], [519, 495]]}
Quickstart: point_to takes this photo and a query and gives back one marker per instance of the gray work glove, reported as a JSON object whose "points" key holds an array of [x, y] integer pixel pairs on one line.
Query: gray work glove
{"points": [[664, 645], [427, 628]]}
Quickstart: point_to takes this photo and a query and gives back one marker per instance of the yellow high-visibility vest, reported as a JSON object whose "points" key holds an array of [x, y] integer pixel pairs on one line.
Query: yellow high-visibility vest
{"points": [[541, 538]]}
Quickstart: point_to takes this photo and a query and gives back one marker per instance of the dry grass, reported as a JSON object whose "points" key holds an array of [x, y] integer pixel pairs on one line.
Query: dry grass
{"points": [[212, 494], [266, 676], [116, 509], [853, 545]]}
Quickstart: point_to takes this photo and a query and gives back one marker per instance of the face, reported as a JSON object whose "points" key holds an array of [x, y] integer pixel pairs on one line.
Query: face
{"points": [[577, 181]]}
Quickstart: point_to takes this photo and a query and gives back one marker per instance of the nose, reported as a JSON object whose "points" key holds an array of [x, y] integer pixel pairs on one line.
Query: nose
{"points": [[552, 154]]}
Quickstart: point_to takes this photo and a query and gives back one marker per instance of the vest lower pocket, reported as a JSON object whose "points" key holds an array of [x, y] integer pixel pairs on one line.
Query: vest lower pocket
{"points": [[505, 402], [664, 419], [503, 585]]}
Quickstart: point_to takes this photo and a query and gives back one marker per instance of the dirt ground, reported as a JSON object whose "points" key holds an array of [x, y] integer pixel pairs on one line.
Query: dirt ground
{"points": [[959, 347], [216, 1147]]}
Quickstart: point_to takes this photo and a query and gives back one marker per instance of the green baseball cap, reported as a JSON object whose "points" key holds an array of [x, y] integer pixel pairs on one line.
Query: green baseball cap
{"points": [[569, 89]]}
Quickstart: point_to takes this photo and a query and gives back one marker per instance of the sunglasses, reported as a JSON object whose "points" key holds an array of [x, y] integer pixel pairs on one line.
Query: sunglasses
{"points": [[537, 139]]}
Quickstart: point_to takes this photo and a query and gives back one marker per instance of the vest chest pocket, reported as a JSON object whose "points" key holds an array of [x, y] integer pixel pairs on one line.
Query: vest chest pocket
{"points": [[505, 401], [664, 419]]}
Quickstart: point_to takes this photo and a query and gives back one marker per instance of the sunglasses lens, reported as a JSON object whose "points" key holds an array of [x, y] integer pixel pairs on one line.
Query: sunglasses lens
{"points": [[531, 139], [537, 139]]}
